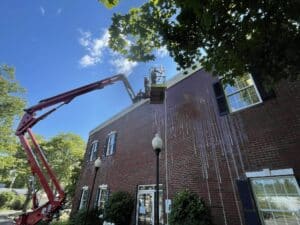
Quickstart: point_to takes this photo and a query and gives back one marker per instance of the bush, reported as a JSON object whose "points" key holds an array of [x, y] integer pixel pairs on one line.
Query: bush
{"points": [[17, 202], [66, 222], [189, 209], [119, 208], [92, 218], [11, 200], [5, 198]]}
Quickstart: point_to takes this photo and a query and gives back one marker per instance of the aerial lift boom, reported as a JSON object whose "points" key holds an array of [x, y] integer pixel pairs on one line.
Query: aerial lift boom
{"points": [[41, 168]]}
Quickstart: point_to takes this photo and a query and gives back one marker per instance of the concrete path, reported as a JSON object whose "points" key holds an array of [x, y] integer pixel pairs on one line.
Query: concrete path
{"points": [[5, 220], [6, 217]]}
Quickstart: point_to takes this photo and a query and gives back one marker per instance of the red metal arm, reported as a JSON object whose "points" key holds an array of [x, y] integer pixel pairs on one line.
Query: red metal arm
{"points": [[36, 157]]}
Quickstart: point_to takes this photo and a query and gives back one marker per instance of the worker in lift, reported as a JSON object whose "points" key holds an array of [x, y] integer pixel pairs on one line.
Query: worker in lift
{"points": [[153, 76]]}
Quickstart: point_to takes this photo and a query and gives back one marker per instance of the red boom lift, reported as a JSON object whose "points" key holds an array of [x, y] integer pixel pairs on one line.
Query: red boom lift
{"points": [[37, 160]]}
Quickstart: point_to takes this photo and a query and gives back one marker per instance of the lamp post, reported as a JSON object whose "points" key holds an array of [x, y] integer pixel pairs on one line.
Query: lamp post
{"points": [[157, 145], [97, 165]]}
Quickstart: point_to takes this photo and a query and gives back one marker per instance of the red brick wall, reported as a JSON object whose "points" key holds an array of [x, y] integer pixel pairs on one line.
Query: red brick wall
{"points": [[204, 152]]}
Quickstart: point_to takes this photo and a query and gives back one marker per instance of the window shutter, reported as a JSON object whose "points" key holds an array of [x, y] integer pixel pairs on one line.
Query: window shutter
{"points": [[105, 146], [265, 93], [115, 143], [220, 98], [89, 152], [250, 212]]}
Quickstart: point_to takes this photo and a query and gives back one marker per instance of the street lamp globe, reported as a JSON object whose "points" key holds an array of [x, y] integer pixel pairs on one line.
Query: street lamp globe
{"points": [[97, 163], [157, 142]]}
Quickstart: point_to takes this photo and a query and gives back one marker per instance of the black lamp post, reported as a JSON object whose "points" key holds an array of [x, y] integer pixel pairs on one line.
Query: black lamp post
{"points": [[157, 145], [97, 165]]}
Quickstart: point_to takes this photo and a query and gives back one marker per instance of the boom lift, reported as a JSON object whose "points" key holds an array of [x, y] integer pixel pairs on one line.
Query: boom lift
{"points": [[41, 167], [36, 158]]}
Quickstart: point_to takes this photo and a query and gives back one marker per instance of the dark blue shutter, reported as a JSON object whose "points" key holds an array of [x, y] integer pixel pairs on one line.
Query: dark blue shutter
{"points": [[89, 153], [105, 146], [220, 98], [115, 143], [265, 93], [250, 212]]}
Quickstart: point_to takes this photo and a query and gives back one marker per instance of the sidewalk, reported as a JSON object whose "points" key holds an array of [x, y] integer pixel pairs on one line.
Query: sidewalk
{"points": [[6, 217]]}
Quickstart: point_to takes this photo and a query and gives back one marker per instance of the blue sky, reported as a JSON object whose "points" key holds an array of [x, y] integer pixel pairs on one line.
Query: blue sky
{"points": [[59, 45]]}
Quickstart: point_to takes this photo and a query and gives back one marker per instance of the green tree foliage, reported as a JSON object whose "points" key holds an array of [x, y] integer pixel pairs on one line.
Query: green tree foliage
{"points": [[64, 152], [189, 209], [11, 107], [226, 37], [119, 208], [109, 3], [11, 200]]}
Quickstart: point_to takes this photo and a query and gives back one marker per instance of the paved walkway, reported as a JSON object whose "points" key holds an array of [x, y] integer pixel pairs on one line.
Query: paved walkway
{"points": [[6, 217]]}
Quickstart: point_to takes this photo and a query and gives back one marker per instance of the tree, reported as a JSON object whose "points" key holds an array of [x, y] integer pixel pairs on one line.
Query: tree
{"points": [[65, 153], [11, 107], [229, 38], [109, 3]]}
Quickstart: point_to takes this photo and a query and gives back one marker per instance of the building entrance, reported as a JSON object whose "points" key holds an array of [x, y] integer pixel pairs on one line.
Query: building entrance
{"points": [[145, 205]]}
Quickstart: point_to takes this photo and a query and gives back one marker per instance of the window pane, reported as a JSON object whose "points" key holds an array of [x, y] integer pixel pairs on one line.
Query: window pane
{"points": [[278, 199], [243, 99], [244, 81], [238, 84]]}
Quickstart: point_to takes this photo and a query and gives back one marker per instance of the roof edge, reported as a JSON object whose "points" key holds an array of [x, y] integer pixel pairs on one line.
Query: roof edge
{"points": [[170, 83]]}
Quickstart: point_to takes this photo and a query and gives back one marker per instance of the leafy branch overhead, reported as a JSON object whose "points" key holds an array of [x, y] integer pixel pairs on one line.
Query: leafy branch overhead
{"points": [[226, 37]]}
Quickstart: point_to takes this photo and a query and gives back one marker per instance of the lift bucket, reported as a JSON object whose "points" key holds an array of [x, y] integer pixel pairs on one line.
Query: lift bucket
{"points": [[157, 86]]}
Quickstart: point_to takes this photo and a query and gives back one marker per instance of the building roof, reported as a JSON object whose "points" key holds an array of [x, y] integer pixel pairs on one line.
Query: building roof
{"points": [[171, 82]]}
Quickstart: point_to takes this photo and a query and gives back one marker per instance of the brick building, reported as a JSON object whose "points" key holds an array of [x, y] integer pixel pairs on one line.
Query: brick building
{"points": [[234, 145]]}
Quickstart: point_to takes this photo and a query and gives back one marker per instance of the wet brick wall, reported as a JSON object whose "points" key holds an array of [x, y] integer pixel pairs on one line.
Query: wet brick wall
{"points": [[204, 152]]}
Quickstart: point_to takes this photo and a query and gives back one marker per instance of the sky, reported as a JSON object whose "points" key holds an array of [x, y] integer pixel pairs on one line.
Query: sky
{"points": [[59, 45]]}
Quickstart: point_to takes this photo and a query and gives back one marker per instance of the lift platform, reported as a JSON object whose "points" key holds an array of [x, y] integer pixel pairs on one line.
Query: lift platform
{"points": [[157, 85]]}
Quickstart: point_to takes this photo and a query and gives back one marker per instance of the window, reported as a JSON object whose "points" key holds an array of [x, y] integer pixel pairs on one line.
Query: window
{"points": [[111, 143], [277, 199], [93, 150], [242, 93], [246, 91], [101, 197], [84, 197]]}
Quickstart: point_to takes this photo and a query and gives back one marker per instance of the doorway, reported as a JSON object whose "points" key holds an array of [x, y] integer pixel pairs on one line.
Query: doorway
{"points": [[145, 205]]}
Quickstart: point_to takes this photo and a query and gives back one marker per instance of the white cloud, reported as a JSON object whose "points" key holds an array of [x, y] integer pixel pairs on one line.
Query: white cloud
{"points": [[95, 48], [58, 11], [88, 60], [43, 11], [162, 52], [123, 65]]}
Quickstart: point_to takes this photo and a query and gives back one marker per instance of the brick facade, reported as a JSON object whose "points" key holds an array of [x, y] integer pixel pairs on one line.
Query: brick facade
{"points": [[204, 152]]}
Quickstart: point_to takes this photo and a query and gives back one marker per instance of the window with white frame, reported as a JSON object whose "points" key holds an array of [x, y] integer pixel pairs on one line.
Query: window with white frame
{"points": [[111, 143], [93, 150], [84, 197], [101, 197], [242, 93], [277, 199]]}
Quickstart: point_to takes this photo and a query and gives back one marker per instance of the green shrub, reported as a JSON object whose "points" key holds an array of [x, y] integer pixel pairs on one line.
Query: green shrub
{"points": [[189, 209], [11, 200], [17, 202], [119, 208], [65, 222], [92, 218]]}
